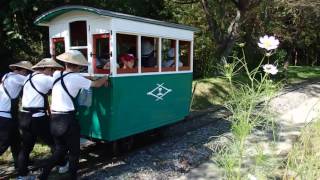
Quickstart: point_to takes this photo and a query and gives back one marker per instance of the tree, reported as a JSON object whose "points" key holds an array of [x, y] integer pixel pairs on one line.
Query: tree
{"points": [[223, 20], [20, 39]]}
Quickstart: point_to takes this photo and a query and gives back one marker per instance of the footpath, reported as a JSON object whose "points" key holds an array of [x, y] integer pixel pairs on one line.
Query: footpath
{"points": [[294, 108]]}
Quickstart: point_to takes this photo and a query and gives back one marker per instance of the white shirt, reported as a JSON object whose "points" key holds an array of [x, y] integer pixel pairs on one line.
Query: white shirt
{"points": [[61, 101], [31, 98], [13, 84]]}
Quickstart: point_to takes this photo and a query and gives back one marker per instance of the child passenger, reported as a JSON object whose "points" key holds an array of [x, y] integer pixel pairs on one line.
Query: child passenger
{"points": [[127, 61]]}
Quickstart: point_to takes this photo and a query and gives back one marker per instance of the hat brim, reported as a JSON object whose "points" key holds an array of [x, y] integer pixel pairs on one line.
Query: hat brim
{"points": [[47, 66], [73, 62], [15, 66]]}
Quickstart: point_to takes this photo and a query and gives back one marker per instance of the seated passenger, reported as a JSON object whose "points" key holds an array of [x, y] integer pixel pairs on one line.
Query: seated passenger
{"points": [[101, 62], [147, 55], [171, 60], [127, 60]]}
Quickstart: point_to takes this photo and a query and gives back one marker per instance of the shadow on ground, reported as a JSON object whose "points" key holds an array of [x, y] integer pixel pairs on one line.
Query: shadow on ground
{"points": [[177, 149]]}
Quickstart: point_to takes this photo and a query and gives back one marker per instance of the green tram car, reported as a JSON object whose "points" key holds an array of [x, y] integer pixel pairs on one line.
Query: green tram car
{"points": [[140, 98]]}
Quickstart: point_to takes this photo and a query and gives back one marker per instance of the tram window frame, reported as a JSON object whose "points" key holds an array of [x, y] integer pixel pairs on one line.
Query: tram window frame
{"points": [[54, 42], [185, 65], [164, 54], [94, 55], [153, 41], [133, 46], [82, 48], [78, 33]]}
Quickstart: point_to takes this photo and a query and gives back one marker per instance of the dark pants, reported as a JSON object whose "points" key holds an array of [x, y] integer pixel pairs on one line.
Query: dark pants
{"points": [[66, 134], [33, 128], [10, 136]]}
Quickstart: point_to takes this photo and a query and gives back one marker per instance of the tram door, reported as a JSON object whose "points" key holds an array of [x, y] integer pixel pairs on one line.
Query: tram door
{"points": [[101, 53]]}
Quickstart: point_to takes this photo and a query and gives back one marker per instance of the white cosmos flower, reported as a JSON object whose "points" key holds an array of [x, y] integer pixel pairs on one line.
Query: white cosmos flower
{"points": [[251, 177], [268, 42], [270, 69]]}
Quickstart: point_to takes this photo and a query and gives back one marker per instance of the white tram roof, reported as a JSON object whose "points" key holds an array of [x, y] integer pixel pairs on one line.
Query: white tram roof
{"points": [[45, 18]]}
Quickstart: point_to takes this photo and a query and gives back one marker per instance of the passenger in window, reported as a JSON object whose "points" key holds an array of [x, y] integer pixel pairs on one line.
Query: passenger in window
{"points": [[170, 62], [127, 60], [147, 55], [101, 62], [107, 65]]}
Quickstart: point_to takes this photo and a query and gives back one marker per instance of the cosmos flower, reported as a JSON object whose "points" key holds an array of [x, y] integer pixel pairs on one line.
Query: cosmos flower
{"points": [[270, 69], [251, 177], [268, 42]]}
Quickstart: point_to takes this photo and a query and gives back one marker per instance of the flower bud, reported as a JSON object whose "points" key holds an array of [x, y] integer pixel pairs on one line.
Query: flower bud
{"points": [[241, 44]]}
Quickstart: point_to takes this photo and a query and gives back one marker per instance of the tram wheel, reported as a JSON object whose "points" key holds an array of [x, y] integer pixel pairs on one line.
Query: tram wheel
{"points": [[126, 144]]}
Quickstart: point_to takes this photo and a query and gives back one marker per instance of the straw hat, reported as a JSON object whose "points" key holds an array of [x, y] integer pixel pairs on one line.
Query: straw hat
{"points": [[47, 63], [73, 57], [22, 64]]}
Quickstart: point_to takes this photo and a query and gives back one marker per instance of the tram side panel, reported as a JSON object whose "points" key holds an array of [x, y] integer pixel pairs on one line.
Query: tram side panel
{"points": [[136, 104], [142, 103], [95, 119]]}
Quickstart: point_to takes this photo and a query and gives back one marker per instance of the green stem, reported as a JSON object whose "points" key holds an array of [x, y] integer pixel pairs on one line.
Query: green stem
{"points": [[255, 71], [245, 65]]}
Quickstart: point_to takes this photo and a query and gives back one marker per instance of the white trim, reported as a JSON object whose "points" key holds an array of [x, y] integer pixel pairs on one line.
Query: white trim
{"points": [[101, 75], [139, 54], [150, 73], [89, 49], [113, 49], [160, 54], [177, 55], [191, 56], [51, 45], [78, 47], [152, 35]]}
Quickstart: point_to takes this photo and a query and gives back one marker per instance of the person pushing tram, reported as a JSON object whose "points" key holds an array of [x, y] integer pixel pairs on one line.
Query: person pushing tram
{"points": [[10, 89], [34, 115], [64, 127]]}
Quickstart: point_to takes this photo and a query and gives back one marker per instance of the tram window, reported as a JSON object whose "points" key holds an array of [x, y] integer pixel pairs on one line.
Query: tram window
{"points": [[58, 47], [78, 33], [149, 54], [184, 55], [101, 53], [127, 53], [168, 55]]}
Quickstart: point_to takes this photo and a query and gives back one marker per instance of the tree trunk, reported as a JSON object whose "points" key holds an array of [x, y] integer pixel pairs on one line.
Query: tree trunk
{"points": [[213, 27], [226, 47], [225, 42], [295, 57]]}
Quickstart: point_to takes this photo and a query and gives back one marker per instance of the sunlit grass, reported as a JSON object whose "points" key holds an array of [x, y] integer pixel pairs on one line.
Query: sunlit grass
{"points": [[216, 90], [209, 92], [303, 160], [39, 150], [297, 74]]}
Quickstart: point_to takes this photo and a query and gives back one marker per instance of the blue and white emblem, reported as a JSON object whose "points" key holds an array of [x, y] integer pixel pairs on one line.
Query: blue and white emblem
{"points": [[159, 92]]}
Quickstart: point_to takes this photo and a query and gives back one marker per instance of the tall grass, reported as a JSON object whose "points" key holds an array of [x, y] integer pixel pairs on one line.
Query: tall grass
{"points": [[303, 160], [248, 103]]}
